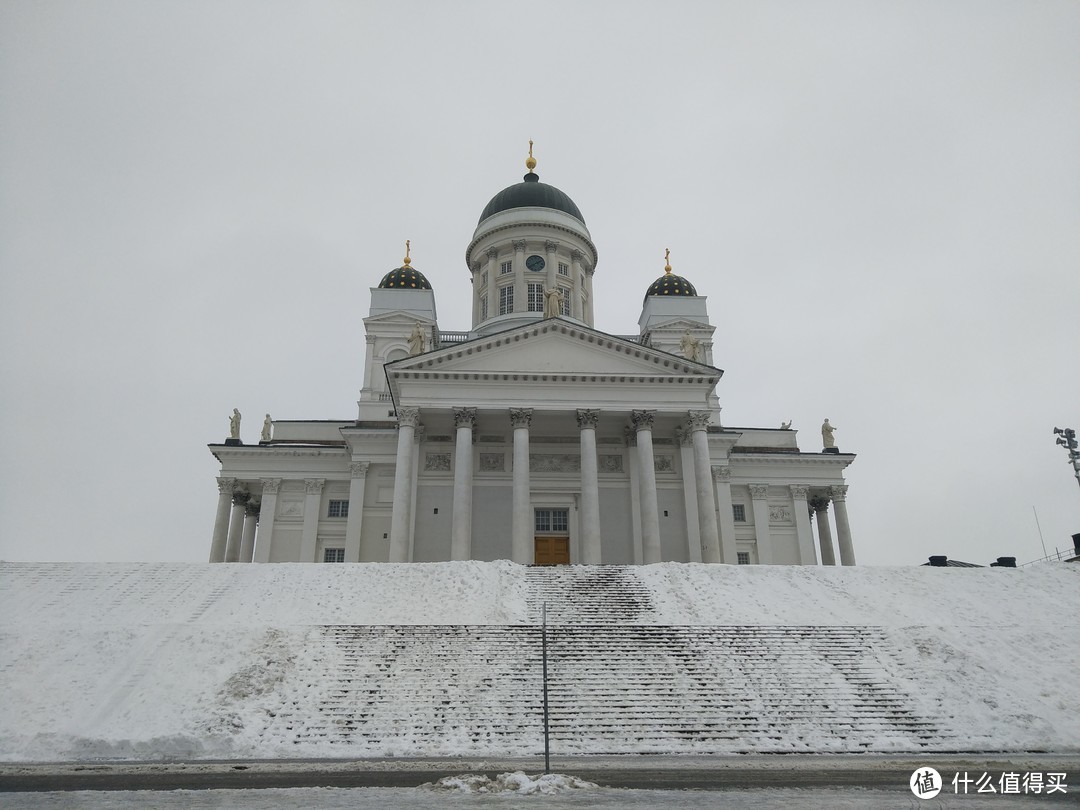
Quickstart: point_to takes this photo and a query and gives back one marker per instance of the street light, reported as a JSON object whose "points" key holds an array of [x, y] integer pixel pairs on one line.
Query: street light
{"points": [[1066, 437]]}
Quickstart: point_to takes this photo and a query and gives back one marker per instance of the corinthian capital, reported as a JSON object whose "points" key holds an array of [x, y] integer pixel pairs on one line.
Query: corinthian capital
{"points": [[838, 493], [226, 485], [722, 475], [240, 497], [643, 420], [521, 417], [519, 244], [408, 417], [465, 417], [551, 246], [270, 486], [587, 418], [492, 253], [313, 485], [799, 491], [759, 492], [699, 420], [358, 469]]}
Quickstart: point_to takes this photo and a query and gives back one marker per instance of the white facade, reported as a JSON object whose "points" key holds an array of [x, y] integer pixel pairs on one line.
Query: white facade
{"points": [[531, 438]]}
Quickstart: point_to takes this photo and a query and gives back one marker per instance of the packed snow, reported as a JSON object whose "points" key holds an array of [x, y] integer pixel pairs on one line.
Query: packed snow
{"points": [[144, 661]]}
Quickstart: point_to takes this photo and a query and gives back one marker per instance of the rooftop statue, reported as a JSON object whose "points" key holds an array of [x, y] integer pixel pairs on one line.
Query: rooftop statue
{"points": [[234, 424], [267, 426], [417, 340], [827, 431]]}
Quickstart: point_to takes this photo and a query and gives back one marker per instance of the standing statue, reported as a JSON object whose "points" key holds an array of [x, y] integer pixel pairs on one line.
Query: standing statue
{"points": [[267, 426], [691, 348], [827, 431], [785, 425], [553, 302], [417, 340], [234, 424]]}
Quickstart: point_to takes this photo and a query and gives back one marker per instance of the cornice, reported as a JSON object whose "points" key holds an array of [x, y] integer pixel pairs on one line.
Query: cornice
{"points": [[806, 459], [221, 451], [530, 224]]}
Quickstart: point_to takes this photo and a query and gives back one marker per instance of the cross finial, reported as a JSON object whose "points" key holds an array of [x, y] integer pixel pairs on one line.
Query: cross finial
{"points": [[408, 261], [667, 260], [530, 162]]}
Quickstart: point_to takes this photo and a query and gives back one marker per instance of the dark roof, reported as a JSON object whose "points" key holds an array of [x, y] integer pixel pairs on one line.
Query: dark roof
{"points": [[531, 193], [408, 278], [671, 284], [957, 564]]}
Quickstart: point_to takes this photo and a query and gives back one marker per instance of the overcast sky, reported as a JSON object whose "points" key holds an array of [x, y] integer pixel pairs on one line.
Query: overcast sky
{"points": [[880, 200]]}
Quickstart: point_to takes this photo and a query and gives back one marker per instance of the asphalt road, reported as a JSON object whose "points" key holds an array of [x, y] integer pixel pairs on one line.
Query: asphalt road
{"points": [[648, 773]]}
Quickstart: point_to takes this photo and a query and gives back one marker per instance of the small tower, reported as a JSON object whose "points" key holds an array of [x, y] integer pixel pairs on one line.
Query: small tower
{"points": [[401, 320]]}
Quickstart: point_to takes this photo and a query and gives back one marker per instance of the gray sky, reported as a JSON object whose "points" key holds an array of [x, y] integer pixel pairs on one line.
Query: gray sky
{"points": [[880, 200]]}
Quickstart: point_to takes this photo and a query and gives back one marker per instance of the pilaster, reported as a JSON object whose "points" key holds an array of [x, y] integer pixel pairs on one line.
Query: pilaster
{"points": [[358, 471], [722, 484], [759, 494], [313, 488]]}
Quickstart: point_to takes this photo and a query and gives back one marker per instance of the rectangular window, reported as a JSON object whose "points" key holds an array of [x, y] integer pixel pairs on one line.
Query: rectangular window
{"points": [[744, 557], [738, 511], [338, 509], [564, 269], [536, 298], [506, 299], [333, 555], [553, 520], [564, 307], [483, 279], [505, 268], [483, 307]]}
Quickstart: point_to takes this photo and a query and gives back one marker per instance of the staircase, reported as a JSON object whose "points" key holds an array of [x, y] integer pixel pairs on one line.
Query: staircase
{"points": [[617, 684]]}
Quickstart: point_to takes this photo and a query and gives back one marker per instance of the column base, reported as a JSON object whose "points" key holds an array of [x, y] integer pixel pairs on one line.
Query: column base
{"points": [[832, 450], [233, 442]]}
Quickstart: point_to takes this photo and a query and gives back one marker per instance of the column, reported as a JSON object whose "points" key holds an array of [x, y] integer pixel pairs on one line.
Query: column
{"points": [[461, 527], [475, 292], [264, 538], [408, 419], [552, 262], [575, 273], [521, 297], [590, 487], [843, 527], [357, 483], [690, 502], [728, 548], [821, 509], [492, 284], [522, 518], [312, 507], [710, 537], [759, 493], [236, 525], [588, 292], [369, 362], [635, 492], [418, 442], [221, 519], [803, 532], [247, 540], [650, 520]]}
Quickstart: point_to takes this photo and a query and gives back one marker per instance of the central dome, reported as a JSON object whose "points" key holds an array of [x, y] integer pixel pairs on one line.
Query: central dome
{"points": [[531, 193]]}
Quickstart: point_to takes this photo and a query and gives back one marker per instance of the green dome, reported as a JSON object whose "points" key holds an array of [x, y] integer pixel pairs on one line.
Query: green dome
{"points": [[531, 193], [671, 284], [405, 278]]}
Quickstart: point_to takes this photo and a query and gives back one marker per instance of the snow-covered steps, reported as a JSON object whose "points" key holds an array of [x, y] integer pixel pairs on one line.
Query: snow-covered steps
{"points": [[613, 689], [184, 660], [592, 594]]}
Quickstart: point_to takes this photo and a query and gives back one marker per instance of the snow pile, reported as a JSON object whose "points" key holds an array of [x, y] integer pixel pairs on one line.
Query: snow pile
{"points": [[214, 661], [517, 782]]}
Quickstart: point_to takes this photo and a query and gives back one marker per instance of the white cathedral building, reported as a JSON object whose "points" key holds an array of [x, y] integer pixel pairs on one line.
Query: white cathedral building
{"points": [[533, 436]]}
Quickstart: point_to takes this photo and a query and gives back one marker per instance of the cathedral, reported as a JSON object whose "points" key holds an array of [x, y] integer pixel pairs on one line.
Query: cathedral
{"points": [[533, 436]]}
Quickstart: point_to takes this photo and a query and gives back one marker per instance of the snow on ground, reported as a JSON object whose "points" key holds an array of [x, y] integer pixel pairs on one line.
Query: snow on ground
{"points": [[147, 660]]}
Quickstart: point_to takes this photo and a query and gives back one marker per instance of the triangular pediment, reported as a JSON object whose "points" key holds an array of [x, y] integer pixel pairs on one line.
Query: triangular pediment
{"points": [[553, 347], [397, 317]]}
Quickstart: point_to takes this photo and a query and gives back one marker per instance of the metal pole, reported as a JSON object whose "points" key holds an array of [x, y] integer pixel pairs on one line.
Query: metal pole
{"points": [[1040, 531], [543, 647]]}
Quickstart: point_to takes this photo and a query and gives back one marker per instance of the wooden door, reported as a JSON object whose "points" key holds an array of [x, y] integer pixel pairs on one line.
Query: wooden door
{"points": [[552, 551]]}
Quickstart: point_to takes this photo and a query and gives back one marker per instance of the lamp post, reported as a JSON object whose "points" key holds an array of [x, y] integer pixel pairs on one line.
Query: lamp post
{"points": [[1066, 437]]}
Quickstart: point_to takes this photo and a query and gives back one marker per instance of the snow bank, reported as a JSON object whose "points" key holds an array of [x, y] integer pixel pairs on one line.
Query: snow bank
{"points": [[145, 661], [516, 782]]}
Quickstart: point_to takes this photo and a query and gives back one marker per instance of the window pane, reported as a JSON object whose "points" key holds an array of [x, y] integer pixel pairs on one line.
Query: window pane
{"points": [[738, 511], [560, 520], [536, 298]]}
